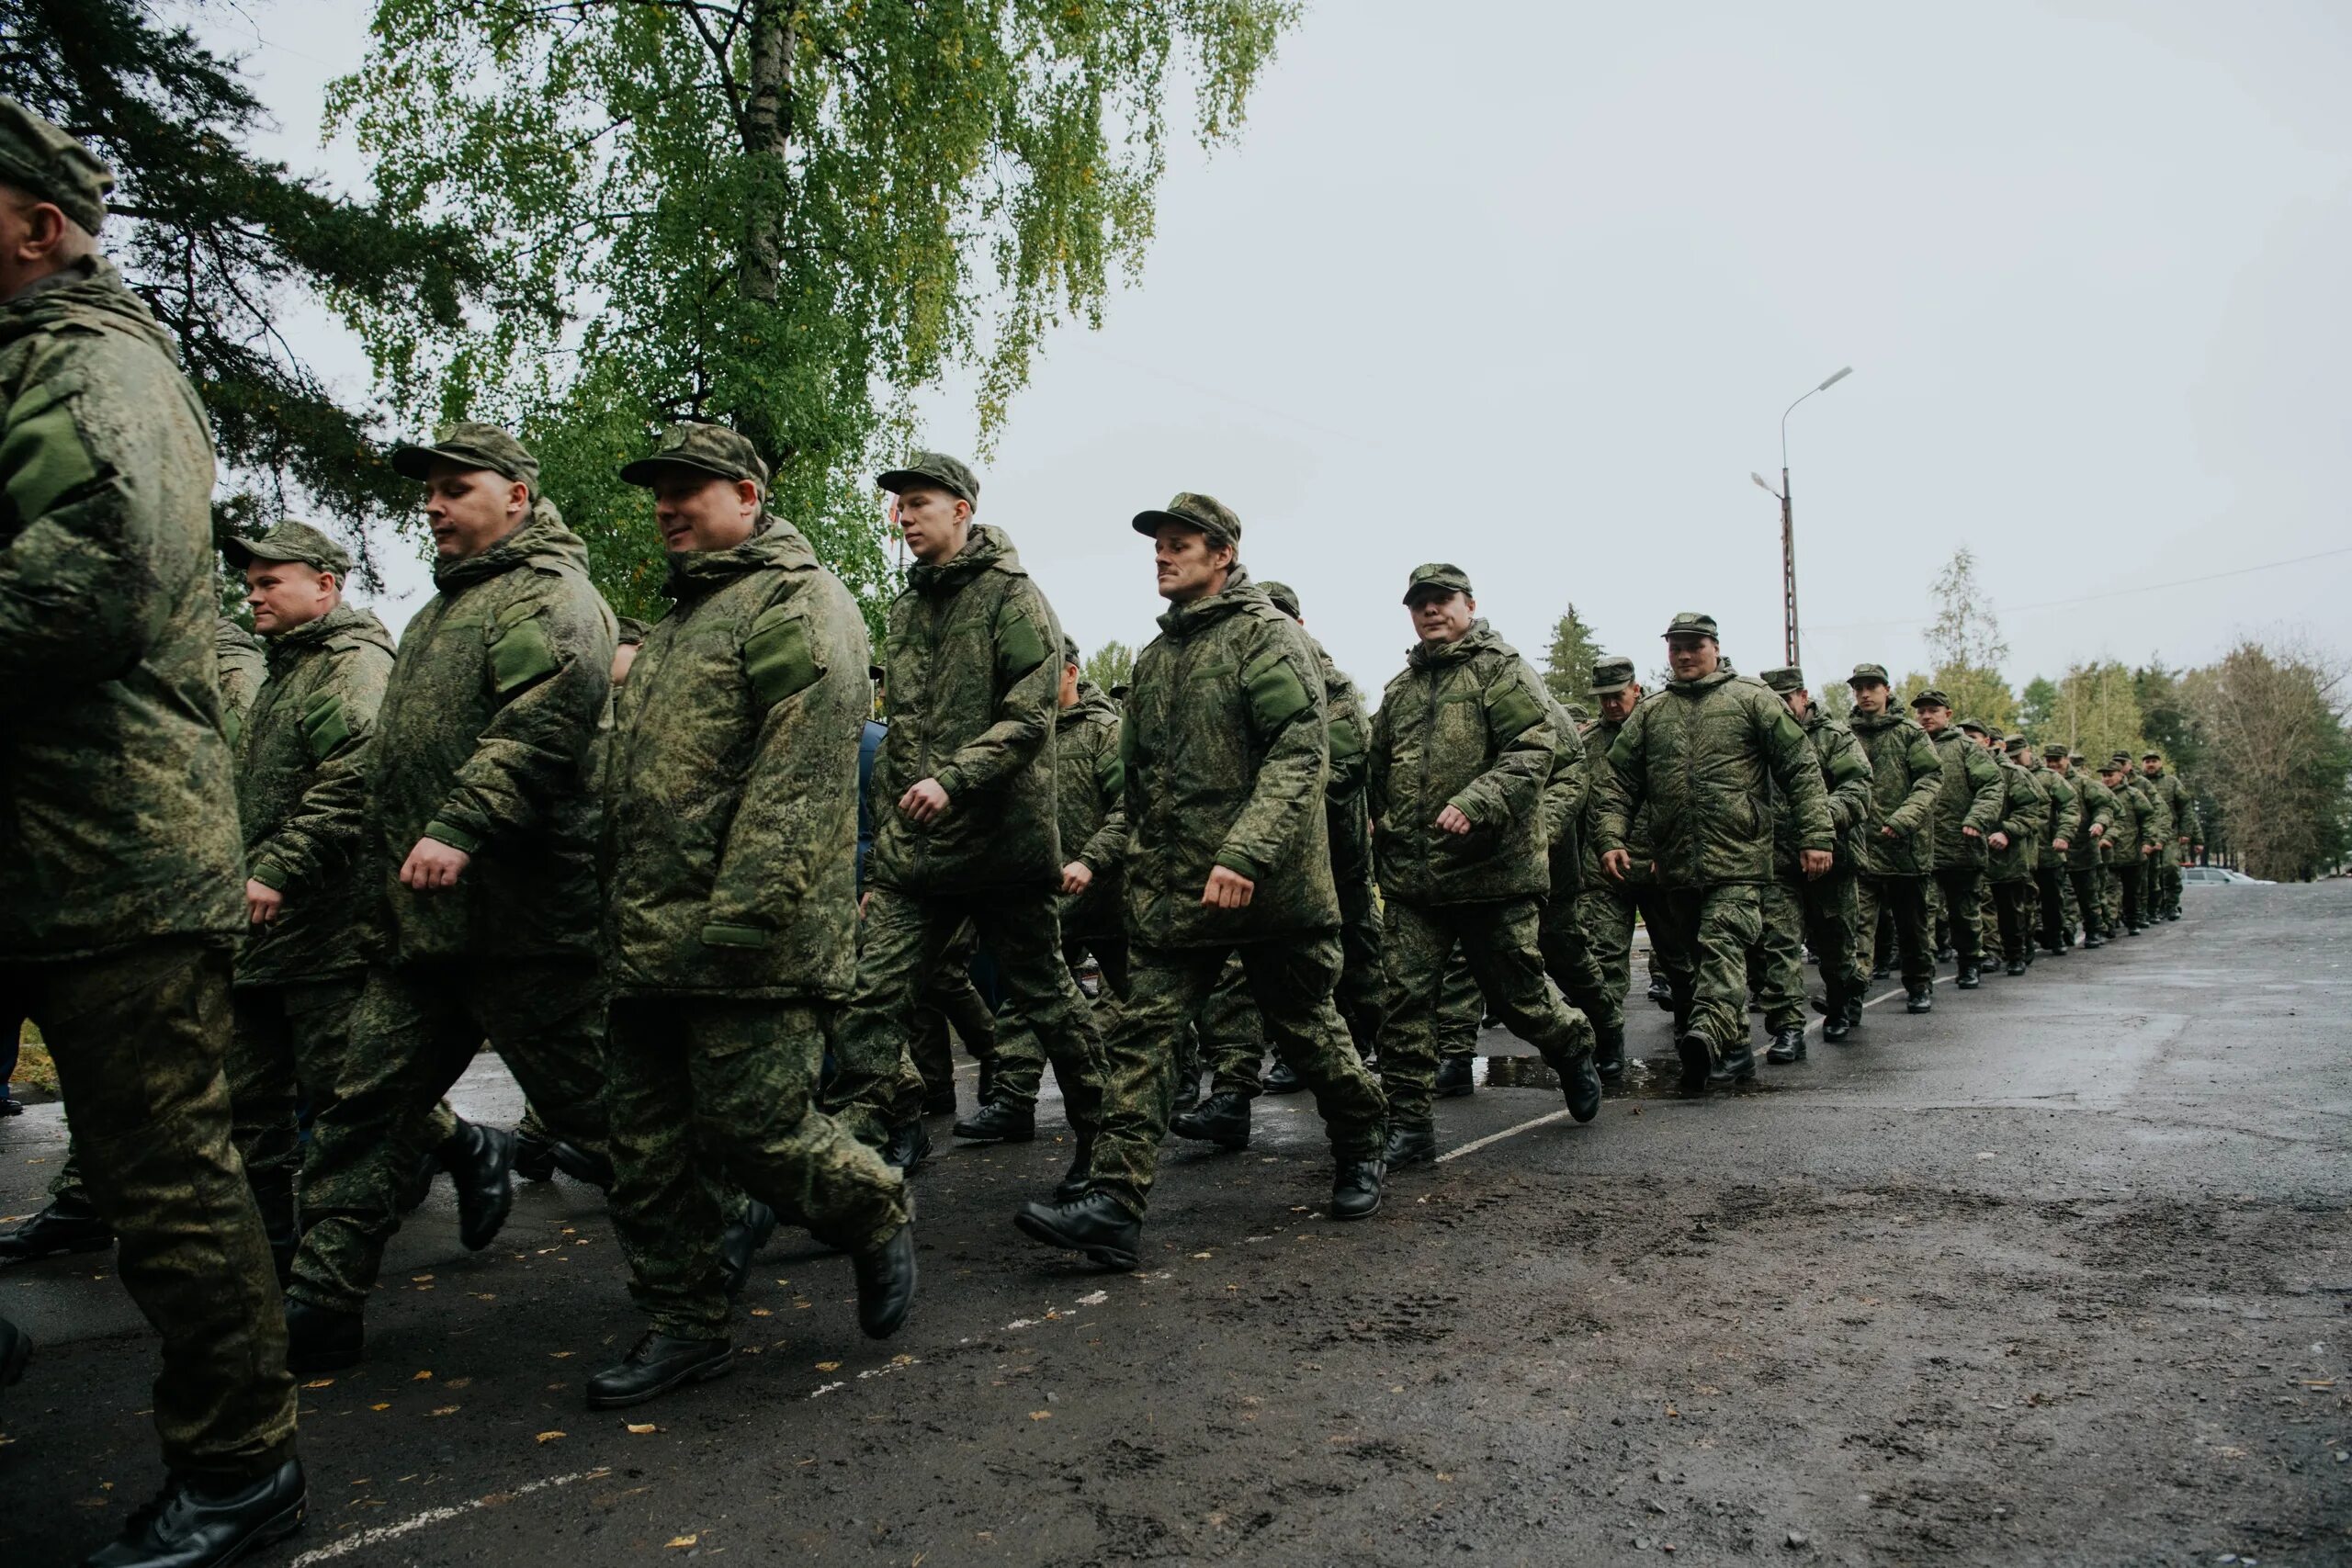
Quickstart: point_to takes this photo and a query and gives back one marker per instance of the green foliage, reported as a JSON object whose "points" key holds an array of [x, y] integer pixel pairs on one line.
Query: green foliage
{"points": [[1835, 699], [784, 215], [1965, 633], [2280, 761], [1568, 669], [216, 241], [1113, 664], [2035, 704], [2097, 712]]}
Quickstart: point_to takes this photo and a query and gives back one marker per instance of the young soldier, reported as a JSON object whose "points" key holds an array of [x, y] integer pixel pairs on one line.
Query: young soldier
{"points": [[2015, 842], [1817, 913], [1968, 806], [1894, 848], [2086, 854]]}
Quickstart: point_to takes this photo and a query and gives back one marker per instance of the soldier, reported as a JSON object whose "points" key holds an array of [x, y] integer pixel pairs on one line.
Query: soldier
{"points": [[1089, 804], [2085, 852], [1464, 748], [1968, 807], [1568, 956], [1606, 907], [243, 669], [1228, 851], [1894, 847], [2015, 843], [1817, 913], [482, 826], [2154, 828], [1705, 755], [729, 870], [2066, 805], [2182, 810], [968, 829], [118, 907]]}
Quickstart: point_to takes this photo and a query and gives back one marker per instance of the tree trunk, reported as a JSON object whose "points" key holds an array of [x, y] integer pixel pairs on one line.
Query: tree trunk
{"points": [[767, 133]]}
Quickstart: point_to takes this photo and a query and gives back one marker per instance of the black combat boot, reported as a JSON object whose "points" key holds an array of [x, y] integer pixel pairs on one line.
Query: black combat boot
{"points": [[1221, 1118], [1280, 1079], [940, 1101], [16, 1353], [1095, 1225], [197, 1524], [1078, 1179], [1000, 1121], [1788, 1044], [1919, 999], [2015, 966], [480, 1161], [1698, 1061], [1580, 1085], [885, 1284], [741, 1242], [1967, 979], [1455, 1078], [1833, 1030], [1609, 1051], [2092, 940], [318, 1340], [656, 1364], [907, 1146], [1661, 993], [1737, 1066], [533, 1155], [1355, 1189], [595, 1170], [1410, 1144], [1188, 1093], [67, 1225]]}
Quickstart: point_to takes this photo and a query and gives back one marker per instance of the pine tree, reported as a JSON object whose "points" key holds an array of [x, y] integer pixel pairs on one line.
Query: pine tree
{"points": [[1568, 669]]}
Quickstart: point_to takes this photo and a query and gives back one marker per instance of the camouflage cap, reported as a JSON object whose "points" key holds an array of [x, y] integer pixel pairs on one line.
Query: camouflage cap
{"points": [[2115, 765], [1865, 673], [2054, 753], [2016, 743], [1070, 649], [711, 449], [932, 471], [290, 540], [2123, 757], [1973, 727], [1284, 596], [1579, 712], [1442, 578], [1613, 673], [1689, 623], [1194, 510], [42, 161], [2077, 757], [2151, 756], [469, 445], [1933, 697], [630, 629], [1786, 678]]}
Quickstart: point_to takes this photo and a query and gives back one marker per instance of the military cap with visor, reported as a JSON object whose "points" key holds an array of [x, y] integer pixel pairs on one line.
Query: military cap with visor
{"points": [[932, 471], [1933, 697], [42, 161], [2054, 753], [2077, 757], [711, 449], [1194, 510], [1973, 727], [1613, 673], [1788, 678], [2151, 756], [2123, 758], [1441, 579], [468, 444], [2016, 743], [1284, 596], [290, 541], [1865, 673], [1691, 623]]}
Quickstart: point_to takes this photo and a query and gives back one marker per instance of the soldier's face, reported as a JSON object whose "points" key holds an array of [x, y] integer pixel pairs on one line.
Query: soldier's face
{"points": [[935, 524], [700, 511], [1070, 686], [1691, 657], [1189, 567], [1933, 718], [286, 594], [2152, 767], [1800, 702], [1443, 617], [468, 510], [1617, 707], [1870, 697]]}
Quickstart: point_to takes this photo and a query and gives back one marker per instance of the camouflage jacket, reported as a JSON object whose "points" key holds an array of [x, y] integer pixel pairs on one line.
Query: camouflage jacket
{"points": [[1969, 797], [242, 667], [1845, 780], [1599, 736], [729, 854], [1565, 796], [2099, 810], [2065, 812], [1905, 775], [1704, 756], [1468, 725], [970, 694], [301, 787], [2131, 829], [2025, 813], [484, 742], [1225, 751], [2155, 819], [116, 783], [1090, 809], [2178, 807]]}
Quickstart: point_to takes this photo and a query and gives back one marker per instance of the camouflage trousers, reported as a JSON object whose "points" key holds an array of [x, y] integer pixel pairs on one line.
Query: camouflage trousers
{"points": [[2013, 917], [1232, 1035], [1717, 927], [414, 1032], [2056, 901], [952, 1000], [710, 1094], [1906, 899], [1822, 914], [1570, 960], [1963, 887], [2169, 884], [2087, 898], [1500, 941], [1291, 982], [138, 1036], [1607, 913], [1020, 1060], [901, 941]]}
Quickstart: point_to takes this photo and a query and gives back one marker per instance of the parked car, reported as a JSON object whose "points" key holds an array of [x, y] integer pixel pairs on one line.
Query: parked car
{"points": [[2219, 875]]}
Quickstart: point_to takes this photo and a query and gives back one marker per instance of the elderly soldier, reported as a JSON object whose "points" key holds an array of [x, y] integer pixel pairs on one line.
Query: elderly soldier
{"points": [[483, 826], [119, 904], [1816, 912], [1968, 807], [1089, 804], [1705, 756], [965, 792], [2015, 843], [1463, 747], [1228, 851], [2066, 805], [2087, 851], [2182, 811], [1607, 908], [730, 878], [1896, 847]]}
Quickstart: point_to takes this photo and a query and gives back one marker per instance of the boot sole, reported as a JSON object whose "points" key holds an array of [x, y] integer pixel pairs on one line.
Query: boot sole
{"points": [[278, 1528], [303, 1366], [69, 1249], [1231, 1146], [1094, 1252], [1696, 1064], [1351, 1219], [702, 1372], [971, 1137], [1457, 1091]]}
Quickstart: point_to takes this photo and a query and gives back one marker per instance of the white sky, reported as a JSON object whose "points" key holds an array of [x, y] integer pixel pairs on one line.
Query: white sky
{"points": [[1526, 286]]}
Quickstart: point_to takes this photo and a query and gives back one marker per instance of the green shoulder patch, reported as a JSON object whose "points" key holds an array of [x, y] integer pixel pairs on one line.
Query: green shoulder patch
{"points": [[325, 726], [1347, 740], [1511, 708], [1111, 769], [522, 655], [1020, 646], [778, 658], [1276, 694], [43, 455]]}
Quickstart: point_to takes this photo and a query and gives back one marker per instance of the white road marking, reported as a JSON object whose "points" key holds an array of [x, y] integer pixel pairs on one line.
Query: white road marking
{"points": [[382, 1533]]}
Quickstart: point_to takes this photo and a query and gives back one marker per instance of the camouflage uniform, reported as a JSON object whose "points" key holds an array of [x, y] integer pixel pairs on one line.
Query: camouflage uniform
{"points": [[2025, 815], [242, 668], [1906, 778], [2124, 913], [2050, 875], [1969, 797], [119, 897], [2086, 854], [2155, 833], [483, 743], [1704, 755], [1467, 724], [2181, 812], [1608, 908], [1226, 752], [731, 916], [1819, 912]]}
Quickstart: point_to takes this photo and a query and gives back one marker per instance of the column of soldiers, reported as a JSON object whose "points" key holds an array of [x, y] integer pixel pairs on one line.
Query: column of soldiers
{"points": [[639, 863]]}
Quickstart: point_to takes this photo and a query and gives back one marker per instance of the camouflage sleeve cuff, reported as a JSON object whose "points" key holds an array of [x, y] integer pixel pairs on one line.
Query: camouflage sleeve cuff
{"points": [[721, 933], [270, 874], [1239, 865], [949, 780], [455, 838]]}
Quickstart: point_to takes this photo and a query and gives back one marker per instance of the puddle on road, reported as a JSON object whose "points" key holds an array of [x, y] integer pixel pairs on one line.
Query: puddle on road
{"points": [[1654, 1077]]}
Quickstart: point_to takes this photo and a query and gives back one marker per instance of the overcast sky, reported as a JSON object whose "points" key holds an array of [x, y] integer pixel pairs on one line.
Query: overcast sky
{"points": [[1525, 287]]}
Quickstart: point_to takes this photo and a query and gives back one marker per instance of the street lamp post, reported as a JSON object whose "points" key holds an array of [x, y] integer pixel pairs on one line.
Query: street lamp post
{"points": [[1789, 523]]}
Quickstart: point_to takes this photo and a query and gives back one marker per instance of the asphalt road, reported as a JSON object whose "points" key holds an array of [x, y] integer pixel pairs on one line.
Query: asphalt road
{"points": [[2059, 1274]]}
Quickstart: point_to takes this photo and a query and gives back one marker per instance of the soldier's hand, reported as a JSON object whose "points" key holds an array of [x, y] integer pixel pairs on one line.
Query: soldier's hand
{"points": [[924, 802], [862, 900], [1970, 833], [1814, 862], [2058, 843], [1450, 820], [1077, 877], [1617, 864], [433, 865], [1228, 889], [262, 903], [1886, 832], [2099, 830], [1999, 840]]}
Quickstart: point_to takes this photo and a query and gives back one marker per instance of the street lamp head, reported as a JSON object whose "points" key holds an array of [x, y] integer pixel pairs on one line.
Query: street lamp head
{"points": [[1761, 484], [1833, 380]]}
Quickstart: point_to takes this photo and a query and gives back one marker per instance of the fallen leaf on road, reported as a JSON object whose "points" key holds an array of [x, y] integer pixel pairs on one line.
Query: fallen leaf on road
{"points": [[551, 1437], [421, 1377], [1094, 1299], [380, 1407], [445, 1410], [762, 1312], [420, 1279], [681, 1540], [457, 1382], [641, 1428], [829, 1366], [1041, 1415], [560, 1355], [1200, 1254], [322, 1382]]}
